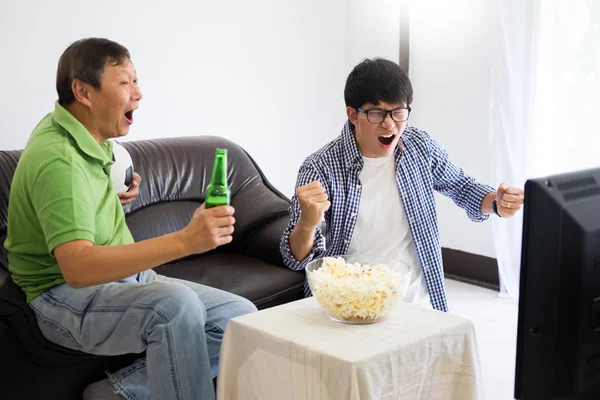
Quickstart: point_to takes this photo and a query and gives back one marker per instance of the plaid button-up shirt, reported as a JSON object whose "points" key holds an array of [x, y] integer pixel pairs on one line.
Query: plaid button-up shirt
{"points": [[422, 166]]}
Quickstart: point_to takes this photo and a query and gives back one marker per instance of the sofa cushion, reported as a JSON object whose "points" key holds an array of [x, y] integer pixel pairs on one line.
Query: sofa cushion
{"points": [[242, 275]]}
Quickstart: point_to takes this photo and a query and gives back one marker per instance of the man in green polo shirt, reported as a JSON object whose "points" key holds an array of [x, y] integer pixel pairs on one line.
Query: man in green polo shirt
{"points": [[91, 287]]}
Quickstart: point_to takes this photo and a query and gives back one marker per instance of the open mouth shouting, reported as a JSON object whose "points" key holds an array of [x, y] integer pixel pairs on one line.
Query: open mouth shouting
{"points": [[129, 116], [386, 140]]}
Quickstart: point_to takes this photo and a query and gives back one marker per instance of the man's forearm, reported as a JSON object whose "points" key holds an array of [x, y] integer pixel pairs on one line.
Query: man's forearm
{"points": [[486, 204], [302, 239], [102, 264]]}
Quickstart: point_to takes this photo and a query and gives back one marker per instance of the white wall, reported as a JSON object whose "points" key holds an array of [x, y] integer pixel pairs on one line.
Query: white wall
{"points": [[373, 30], [208, 67], [449, 69], [267, 74]]}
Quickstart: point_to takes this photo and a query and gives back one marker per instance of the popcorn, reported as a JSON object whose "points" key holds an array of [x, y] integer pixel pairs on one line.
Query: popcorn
{"points": [[354, 293]]}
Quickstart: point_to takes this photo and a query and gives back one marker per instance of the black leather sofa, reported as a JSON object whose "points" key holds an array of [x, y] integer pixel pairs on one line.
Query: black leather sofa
{"points": [[174, 174]]}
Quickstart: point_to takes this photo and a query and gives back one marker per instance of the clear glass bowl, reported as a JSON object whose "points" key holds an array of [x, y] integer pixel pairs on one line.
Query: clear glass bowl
{"points": [[356, 297]]}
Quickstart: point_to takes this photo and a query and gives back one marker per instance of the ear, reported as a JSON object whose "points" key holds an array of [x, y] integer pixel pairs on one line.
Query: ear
{"points": [[352, 115], [82, 92]]}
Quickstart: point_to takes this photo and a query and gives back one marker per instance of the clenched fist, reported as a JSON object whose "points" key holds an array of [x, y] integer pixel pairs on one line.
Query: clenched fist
{"points": [[509, 200], [313, 204], [208, 229]]}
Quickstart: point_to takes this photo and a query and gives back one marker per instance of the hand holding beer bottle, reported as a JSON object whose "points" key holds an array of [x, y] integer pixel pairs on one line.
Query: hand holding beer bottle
{"points": [[211, 225], [313, 204]]}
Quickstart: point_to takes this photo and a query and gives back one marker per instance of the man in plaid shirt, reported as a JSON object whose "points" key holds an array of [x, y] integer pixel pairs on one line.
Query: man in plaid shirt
{"points": [[373, 185]]}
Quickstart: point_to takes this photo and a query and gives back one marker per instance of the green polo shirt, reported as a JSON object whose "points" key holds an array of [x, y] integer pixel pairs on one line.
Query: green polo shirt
{"points": [[61, 191]]}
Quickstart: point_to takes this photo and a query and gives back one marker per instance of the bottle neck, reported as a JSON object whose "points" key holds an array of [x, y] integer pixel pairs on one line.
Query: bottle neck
{"points": [[219, 173]]}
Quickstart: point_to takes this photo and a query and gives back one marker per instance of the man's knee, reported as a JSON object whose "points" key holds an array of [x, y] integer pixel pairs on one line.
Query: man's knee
{"points": [[243, 306], [235, 306], [175, 302], [238, 306]]}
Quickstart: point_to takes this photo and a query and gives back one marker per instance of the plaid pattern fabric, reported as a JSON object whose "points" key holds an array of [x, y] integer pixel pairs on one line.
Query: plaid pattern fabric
{"points": [[422, 166]]}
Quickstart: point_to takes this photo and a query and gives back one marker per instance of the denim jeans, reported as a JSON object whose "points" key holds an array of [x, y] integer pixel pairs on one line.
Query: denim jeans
{"points": [[179, 324]]}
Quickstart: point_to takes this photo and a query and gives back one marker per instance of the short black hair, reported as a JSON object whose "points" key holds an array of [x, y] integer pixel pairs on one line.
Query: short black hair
{"points": [[376, 80], [85, 60]]}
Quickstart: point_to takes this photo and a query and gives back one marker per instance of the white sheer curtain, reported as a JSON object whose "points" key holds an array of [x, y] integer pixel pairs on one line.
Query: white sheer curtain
{"points": [[512, 88], [544, 104]]}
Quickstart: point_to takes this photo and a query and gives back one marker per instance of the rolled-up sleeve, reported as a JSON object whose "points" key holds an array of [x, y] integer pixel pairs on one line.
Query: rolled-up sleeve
{"points": [[306, 175], [451, 181]]}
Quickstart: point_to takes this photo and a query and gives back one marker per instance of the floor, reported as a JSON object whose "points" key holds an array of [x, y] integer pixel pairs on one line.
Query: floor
{"points": [[495, 320]]}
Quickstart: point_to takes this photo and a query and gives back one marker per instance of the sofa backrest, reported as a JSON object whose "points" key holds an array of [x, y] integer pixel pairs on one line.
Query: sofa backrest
{"points": [[175, 173], [8, 163]]}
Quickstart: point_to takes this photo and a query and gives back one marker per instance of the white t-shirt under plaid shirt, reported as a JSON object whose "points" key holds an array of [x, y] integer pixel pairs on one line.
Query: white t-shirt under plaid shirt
{"points": [[422, 166], [381, 232]]}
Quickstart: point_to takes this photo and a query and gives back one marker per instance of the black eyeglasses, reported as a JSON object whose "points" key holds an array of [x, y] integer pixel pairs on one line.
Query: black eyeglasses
{"points": [[377, 115]]}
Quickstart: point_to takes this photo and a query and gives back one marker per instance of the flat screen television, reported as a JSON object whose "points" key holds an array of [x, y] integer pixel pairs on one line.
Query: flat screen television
{"points": [[558, 334]]}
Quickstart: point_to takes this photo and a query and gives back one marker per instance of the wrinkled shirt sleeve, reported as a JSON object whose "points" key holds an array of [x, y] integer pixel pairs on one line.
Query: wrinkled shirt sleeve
{"points": [[306, 175]]}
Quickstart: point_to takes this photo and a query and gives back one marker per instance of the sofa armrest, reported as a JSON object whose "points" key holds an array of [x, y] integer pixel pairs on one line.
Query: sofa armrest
{"points": [[263, 243]]}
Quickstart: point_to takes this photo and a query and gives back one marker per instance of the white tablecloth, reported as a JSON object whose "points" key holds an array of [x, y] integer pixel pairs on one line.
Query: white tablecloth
{"points": [[295, 352]]}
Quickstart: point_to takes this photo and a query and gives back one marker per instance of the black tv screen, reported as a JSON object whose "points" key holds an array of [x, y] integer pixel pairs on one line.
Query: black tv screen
{"points": [[558, 334]]}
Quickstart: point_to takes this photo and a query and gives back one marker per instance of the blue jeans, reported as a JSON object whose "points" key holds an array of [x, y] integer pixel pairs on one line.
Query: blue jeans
{"points": [[179, 324]]}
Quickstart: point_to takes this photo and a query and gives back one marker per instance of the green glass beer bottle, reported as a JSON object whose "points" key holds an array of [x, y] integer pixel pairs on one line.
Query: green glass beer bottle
{"points": [[217, 191]]}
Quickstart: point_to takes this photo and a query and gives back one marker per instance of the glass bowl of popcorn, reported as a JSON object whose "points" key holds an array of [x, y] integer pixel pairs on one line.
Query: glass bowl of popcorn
{"points": [[351, 292]]}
